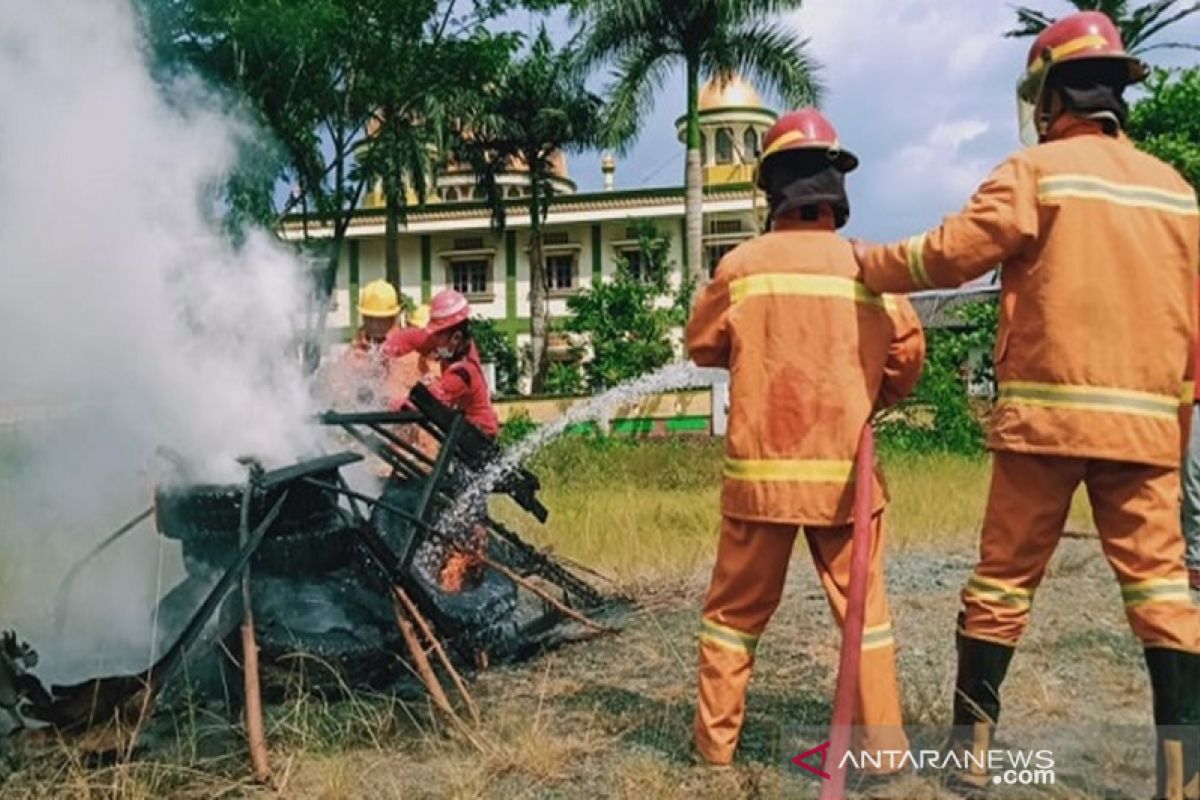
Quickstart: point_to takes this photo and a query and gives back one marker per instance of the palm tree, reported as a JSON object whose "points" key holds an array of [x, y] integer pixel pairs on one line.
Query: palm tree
{"points": [[403, 155], [643, 39], [1137, 25], [416, 77], [537, 109]]}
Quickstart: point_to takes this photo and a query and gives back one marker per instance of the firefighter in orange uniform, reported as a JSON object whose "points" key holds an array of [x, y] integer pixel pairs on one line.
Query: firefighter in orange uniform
{"points": [[365, 377], [1098, 246], [811, 353]]}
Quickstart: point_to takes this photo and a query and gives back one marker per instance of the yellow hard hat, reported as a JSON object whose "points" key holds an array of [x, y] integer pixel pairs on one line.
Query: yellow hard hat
{"points": [[378, 299], [419, 317]]}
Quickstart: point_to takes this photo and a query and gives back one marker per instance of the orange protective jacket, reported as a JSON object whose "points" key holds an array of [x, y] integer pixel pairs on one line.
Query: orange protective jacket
{"points": [[1098, 246], [811, 352]]}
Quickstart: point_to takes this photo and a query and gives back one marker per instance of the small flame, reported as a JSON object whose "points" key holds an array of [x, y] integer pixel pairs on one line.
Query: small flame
{"points": [[464, 564]]}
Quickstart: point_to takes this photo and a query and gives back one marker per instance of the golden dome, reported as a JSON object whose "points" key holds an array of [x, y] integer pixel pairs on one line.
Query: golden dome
{"points": [[558, 165], [735, 93]]}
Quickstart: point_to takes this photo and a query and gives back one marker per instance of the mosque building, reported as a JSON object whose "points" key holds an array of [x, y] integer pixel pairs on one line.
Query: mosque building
{"points": [[450, 242]]}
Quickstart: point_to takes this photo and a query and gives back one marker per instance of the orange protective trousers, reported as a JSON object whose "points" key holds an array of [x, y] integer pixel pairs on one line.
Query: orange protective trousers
{"points": [[747, 583], [1136, 510]]}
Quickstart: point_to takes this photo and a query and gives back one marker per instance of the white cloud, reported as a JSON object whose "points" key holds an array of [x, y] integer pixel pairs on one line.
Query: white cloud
{"points": [[957, 133], [938, 165], [923, 91]]}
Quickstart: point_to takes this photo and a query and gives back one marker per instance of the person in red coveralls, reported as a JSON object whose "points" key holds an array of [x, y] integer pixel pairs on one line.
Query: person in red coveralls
{"points": [[462, 386], [447, 338]]}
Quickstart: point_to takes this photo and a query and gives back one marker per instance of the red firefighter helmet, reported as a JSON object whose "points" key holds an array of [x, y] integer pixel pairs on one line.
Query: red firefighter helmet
{"points": [[1085, 35], [447, 309], [805, 129]]}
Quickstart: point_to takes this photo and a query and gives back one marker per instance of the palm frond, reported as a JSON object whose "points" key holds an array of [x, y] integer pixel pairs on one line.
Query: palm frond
{"points": [[611, 26], [639, 81], [1155, 19], [772, 55], [1030, 22], [1170, 46], [763, 9]]}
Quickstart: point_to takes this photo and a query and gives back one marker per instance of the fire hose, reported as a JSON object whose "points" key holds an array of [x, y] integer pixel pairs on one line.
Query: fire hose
{"points": [[850, 661]]}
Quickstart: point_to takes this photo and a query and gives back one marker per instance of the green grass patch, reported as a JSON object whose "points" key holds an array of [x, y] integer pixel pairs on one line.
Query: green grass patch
{"points": [[648, 511]]}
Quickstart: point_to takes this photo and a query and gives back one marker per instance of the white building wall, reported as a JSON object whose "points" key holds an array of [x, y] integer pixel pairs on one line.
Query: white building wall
{"points": [[613, 225]]}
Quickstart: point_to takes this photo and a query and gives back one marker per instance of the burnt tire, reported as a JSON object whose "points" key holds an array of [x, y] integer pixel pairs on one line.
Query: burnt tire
{"points": [[471, 618], [200, 513], [396, 530], [336, 617], [474, 619], [309, 553]]}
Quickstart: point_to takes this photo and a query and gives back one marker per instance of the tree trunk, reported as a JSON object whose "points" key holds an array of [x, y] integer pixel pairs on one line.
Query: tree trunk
{"points": [[391, 236], [694, 181], [539, 316], [391, 201], [315, 336]]}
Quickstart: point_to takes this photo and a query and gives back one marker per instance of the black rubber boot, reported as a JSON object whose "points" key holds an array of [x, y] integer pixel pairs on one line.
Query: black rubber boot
{"points": [[1175, 681], [981, 669]]}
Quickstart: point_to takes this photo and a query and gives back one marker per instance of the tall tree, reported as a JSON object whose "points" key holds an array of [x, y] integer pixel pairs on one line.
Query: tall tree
{"points": [[643, 39], [1166, 122], [1138, 25], [418, 84], [345, 87], [538, 109]]}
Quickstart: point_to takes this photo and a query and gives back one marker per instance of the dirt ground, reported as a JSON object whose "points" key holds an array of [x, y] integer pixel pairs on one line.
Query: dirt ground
{"points": [[611, 717]]}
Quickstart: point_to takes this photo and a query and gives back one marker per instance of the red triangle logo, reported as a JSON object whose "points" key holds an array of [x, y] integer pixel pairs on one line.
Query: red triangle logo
{"points": [[802, 760]]}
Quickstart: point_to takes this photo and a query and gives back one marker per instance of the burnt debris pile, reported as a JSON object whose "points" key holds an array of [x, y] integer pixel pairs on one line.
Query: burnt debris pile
{"points": [[376, 587]]}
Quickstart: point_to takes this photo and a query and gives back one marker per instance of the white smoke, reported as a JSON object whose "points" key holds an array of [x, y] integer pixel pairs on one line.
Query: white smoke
{"points": [[124, 311]]}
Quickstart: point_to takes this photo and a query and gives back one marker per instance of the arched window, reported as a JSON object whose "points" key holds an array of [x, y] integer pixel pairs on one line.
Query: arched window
{"points": [[749, 145], [452, 195], [477, 194], [724, 146]]}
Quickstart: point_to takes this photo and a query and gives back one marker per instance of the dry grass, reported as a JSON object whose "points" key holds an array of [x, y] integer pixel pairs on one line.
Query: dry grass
{"points": [[650, 514], [611, 718]]}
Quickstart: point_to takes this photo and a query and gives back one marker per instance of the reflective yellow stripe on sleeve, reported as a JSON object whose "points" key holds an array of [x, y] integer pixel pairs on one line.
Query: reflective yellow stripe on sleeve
{"points": [[776, 284], [1125, 194], [914, 248], [1187, 393], [1156, 590], [1089, 398], [877, 637], [790, 470], [727, 638]]}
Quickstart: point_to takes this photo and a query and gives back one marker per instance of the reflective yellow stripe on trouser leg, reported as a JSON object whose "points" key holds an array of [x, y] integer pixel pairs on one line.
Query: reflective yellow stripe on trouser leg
{"points": [[726, 658]]}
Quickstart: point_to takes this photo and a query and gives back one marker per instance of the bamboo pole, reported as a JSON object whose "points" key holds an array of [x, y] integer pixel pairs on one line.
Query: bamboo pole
{"points": [[429, 677], [549, 598], [256, 735], [436, 645]]}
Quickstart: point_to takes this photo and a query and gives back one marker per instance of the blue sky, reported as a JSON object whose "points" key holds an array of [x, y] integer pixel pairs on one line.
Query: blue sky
{"points": [[921, 90]]}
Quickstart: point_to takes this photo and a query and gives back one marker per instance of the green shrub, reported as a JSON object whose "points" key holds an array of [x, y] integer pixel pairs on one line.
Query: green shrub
{"points": [[496, 347], [1166, 121], [565, 378], [519, 426], [629, 333], [953, 358]]}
